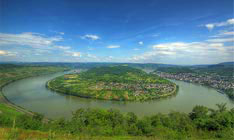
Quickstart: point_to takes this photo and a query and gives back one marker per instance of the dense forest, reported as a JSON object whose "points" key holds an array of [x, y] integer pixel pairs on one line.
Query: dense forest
{"points": [[114, 83]]}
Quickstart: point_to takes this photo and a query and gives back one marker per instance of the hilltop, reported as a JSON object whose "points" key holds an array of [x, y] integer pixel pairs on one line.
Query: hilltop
{"points": [[113, 83]]}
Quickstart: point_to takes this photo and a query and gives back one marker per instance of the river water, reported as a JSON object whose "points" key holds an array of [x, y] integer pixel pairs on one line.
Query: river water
{"points": [[32, 95]]}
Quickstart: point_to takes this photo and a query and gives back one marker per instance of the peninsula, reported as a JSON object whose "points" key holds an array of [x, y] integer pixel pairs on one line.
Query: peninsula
{"points": [[114, 83]]}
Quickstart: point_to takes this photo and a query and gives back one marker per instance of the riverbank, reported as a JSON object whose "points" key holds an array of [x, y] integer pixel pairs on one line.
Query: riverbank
{"points": [[220, 82], [208, 86], [176, 89], [5, 101], [8, 77]]}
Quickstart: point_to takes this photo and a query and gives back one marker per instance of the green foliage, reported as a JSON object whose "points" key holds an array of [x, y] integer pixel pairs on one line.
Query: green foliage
{"points": [[202, 122], [7, 115], [13, 134], [230, 93], [10, 117]]}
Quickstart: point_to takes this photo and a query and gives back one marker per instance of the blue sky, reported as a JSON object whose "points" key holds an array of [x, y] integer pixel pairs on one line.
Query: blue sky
{"points": [[139, 31]]}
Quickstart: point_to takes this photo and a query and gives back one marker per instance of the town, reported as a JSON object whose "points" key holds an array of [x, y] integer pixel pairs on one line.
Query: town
{"points": [[136, 88], [221, 83]]}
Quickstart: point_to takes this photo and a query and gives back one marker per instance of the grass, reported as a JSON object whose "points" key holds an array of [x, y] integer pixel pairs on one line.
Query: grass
{"points": [[8, 111], [21, 134]]}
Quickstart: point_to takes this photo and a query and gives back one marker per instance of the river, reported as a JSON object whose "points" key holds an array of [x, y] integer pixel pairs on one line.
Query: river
{"points": [[31, 94]]}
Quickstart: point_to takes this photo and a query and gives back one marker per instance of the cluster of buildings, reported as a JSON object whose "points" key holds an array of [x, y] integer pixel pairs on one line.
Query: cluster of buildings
{"points": [[137, 88], [212, 80]]}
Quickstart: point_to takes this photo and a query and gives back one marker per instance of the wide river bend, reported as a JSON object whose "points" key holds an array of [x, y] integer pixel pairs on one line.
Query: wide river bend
{"points": [[31, 94]]}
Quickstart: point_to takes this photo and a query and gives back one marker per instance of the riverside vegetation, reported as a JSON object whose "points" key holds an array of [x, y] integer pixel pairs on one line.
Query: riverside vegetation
{"points": [[201, 123], [114, 83]]}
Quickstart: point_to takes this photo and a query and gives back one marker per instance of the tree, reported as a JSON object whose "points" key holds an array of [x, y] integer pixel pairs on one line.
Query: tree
{"points": [[222, 107], [145, 126], [131, 118], [199, 112]]}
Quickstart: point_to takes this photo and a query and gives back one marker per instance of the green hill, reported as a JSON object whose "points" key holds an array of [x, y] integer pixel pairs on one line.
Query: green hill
{"points": [[113, 83]]}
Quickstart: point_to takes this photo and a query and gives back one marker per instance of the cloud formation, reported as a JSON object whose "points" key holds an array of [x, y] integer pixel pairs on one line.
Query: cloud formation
{"points": [[3, 52], [185, 51], [76, 54], [28, 39], [224, 34], [36, 47], [221, 40], [141, 43], [136, 49], [7, 53], [90, 37], [63, 47], [113, 46], [211, 26]]}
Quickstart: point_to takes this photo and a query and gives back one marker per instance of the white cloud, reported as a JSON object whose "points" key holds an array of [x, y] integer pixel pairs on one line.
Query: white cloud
{"points": [[136, 49], [224, 34], [187, 52], [141, 43], [35, 47], [28, 39], [63, 47], [113, 46], [90, 49], [91, 56], [3, 52], [76, 54], [7, 53], [90, 37], [230, 21], [56, 32], [72, 53], [61, 33], [227, 33], [216, 45], [155, 35], [211, 26], [221, 40]]}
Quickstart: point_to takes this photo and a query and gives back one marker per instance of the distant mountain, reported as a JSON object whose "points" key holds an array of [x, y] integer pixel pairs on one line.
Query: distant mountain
{"points": [[226, 63], [88, 65]]}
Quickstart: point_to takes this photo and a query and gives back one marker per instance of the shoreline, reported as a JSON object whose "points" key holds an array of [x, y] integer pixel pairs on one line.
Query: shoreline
{"points": [[8, 103], [218, 90]]}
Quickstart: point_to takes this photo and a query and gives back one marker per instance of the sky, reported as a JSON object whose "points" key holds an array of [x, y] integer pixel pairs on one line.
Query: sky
{"points": [[136, 31]]}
